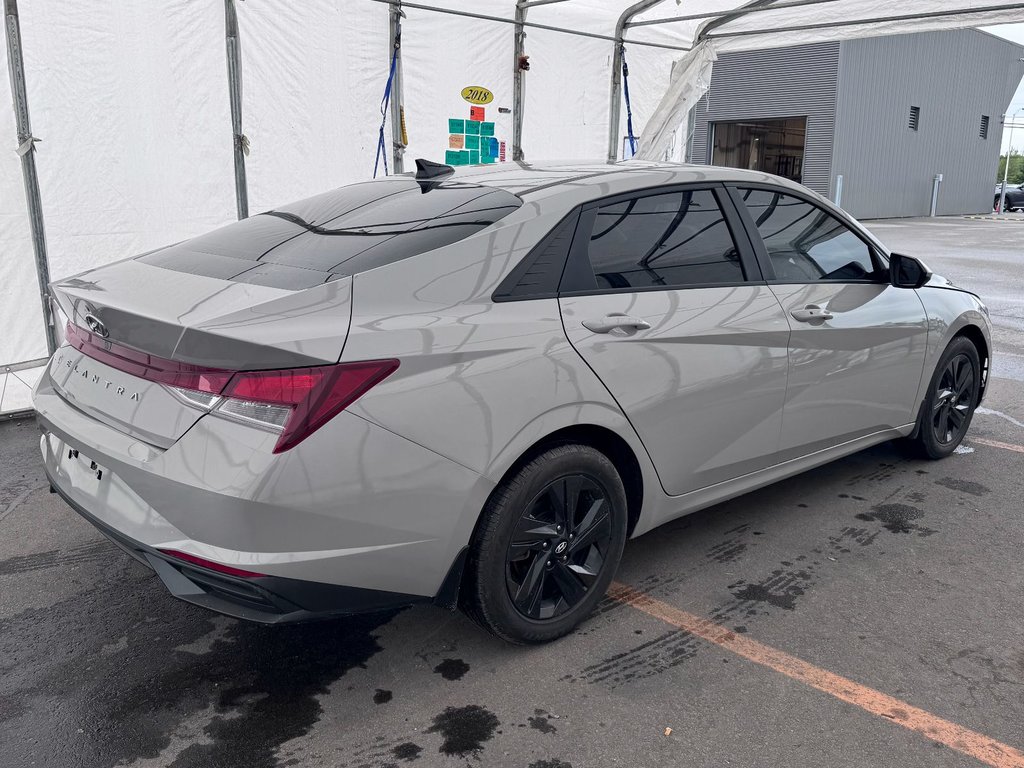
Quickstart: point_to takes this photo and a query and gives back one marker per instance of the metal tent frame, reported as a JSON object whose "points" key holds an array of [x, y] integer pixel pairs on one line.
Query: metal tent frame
{"points": [[712, 21], [627, 21]]}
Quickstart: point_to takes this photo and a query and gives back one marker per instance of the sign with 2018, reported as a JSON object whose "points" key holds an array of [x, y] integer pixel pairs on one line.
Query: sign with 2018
{"points": [[473, 141], [476, 94]]}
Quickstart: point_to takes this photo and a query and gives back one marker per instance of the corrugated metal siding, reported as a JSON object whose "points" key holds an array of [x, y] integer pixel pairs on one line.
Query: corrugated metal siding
{"points": [[955, 77], [799, 81]]}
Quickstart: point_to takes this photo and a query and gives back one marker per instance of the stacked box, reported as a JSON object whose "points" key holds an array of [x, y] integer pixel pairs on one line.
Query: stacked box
{"points": [[472, 141]]}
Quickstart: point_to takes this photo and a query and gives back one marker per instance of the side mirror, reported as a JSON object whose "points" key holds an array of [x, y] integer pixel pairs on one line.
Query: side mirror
{"points": [[907, 272]]}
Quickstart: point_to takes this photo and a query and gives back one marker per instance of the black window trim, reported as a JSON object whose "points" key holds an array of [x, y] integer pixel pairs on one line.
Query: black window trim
{"points": [[509, 288], [578, 277], [767, 268]]}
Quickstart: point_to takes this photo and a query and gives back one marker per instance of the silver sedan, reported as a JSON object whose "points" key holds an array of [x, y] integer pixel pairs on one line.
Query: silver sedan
{"points": [[472, 388]]}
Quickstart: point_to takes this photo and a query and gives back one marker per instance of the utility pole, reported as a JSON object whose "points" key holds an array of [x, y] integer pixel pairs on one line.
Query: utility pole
{"points": [[1006, 165]]}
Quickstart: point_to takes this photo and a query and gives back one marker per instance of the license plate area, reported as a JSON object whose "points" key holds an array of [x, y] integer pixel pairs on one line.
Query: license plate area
{"points": [[84, 473]]}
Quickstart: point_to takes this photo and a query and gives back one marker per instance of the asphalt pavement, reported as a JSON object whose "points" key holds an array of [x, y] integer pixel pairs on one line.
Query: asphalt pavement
{"points": [[867, 613]]}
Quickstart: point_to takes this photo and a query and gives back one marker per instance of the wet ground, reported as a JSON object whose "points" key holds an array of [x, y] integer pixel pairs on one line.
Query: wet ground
{"points": [[900, 575]]}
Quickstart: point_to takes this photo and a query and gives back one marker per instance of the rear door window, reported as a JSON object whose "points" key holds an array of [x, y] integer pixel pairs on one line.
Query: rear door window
{"points": [[678, 239]]}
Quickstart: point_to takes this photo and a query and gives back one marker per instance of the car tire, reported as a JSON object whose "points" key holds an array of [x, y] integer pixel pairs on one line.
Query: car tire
{"points": [[950, 401], [547, 545], [1007, 205]]}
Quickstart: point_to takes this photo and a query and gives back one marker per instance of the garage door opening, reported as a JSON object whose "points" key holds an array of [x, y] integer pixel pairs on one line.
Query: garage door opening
{"points": [[772, 146]]}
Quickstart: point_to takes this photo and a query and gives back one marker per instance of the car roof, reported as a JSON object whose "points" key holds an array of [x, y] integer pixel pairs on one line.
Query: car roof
{"points": [[572, 182]]}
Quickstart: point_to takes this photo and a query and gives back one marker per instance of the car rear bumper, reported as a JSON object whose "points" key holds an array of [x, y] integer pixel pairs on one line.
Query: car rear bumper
{"points": [[264, 599], [354, 519]]}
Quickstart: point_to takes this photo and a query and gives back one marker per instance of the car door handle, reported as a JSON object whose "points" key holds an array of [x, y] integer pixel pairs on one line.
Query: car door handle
{"points": [[610, 322], [812, 313]]}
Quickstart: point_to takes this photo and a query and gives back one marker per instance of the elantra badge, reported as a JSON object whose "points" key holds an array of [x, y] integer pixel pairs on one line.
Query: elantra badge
{"points": [[94, 378]]}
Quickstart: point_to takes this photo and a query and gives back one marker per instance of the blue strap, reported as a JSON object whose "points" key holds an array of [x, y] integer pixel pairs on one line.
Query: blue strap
{"points": [[382, 152], [629, 108]]}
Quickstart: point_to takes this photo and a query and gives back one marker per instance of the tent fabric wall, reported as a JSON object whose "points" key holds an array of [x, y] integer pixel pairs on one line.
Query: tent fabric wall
{"points": [[313, 74], [133, 117], [130, 109], [443, 54]]}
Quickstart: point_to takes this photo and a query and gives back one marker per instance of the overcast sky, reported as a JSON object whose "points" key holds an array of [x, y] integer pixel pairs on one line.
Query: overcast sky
{"points": [[1013, 32]]}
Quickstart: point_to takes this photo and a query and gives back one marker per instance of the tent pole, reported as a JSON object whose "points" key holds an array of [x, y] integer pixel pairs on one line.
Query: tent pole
{"points": [[615, 95], [241, 142], [532, 25], [752, 6], [397, 91], [775, 6], [518, 83], [26, 148], [974, 11]]}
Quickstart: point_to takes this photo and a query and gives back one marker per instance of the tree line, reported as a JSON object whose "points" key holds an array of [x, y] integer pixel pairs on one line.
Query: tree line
{"points": [[1016, 175]]}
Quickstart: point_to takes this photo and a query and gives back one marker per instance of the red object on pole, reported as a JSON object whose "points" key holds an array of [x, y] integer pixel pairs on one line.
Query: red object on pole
{"points": [[501, 152]]}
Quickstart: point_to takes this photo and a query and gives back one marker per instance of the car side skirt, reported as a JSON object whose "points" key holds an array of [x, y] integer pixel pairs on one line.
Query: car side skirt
{"points": [[678, 506]]}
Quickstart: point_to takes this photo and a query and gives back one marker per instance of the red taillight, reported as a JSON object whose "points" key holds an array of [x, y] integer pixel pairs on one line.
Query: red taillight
{"points": [[314, 395], [288, 387], [298, 401], [210, 565], [146, 366]]}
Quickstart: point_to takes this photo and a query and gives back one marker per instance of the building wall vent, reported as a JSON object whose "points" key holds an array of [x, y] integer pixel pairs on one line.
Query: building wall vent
{"points": [[983, 133], [915, 118]]}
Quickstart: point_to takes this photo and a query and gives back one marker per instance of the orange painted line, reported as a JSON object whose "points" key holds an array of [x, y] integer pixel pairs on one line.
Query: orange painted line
{"points": [[976, 745], [997, 444]]}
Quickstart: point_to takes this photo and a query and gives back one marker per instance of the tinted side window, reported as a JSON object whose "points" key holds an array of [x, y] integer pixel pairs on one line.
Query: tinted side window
{"points": [[806, 243], [672, 240]]}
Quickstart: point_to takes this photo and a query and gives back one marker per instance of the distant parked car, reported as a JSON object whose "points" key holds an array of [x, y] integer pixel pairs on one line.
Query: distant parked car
{"points": [[1014, 196]]}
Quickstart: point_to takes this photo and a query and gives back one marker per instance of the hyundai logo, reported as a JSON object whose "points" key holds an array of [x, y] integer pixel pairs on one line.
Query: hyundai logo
{"points": [[96, 326], [561, 547]]}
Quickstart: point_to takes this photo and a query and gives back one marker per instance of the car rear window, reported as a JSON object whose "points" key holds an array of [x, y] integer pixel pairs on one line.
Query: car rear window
{"points": [[339, 233]]}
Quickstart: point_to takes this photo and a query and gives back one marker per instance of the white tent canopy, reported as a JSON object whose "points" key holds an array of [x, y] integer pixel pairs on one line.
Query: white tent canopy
{"points": [[133, 119]]}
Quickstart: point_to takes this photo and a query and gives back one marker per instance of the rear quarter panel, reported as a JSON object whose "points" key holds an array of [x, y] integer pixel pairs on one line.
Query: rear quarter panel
{"points": [[480, 382]]}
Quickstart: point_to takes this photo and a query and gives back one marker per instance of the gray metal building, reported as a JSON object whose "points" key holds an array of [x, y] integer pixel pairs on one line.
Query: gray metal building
{"points": [[877, 117]]}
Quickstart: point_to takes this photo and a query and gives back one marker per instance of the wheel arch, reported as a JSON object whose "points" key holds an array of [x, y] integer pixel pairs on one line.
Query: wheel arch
{"points": [[974, 334], [601, 438]]}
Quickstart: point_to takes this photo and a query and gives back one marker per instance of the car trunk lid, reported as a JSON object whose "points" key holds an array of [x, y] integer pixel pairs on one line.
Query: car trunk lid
{"points": [[142, 316]]}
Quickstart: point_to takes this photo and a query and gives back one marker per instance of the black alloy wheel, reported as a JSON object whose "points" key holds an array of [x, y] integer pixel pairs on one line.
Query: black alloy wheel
{"points": [[559, 547], [953, 400], [547, 546], [949, 403]]}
